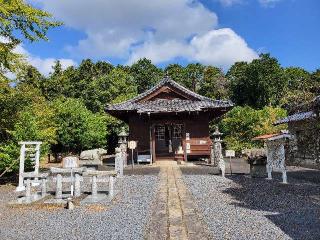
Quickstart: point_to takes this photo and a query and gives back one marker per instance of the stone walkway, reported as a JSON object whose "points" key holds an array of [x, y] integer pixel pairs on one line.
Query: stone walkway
{"points": [[174, 214]]}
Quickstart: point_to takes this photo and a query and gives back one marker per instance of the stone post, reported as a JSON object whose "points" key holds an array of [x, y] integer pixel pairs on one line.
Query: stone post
{"points": [[94, 188], [77, 187], [111, 186], [43, 187], [119, 162], [59, 186], [28, 190]]}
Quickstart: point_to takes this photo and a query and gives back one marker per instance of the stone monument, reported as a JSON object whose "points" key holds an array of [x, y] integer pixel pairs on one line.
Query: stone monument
{"points": [[276, 155]]}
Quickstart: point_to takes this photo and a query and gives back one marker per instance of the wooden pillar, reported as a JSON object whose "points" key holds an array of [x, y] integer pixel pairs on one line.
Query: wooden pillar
{"points": [[154, 158], [184, 142]]}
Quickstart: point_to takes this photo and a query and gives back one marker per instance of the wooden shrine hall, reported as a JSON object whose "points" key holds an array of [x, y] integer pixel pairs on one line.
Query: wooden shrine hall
{"points": [[169, 121]]}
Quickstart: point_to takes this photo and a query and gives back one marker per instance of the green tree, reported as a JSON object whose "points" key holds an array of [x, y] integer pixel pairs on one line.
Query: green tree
{"points": [[176, 72], [242, 124], [298, 89], [145, 74], [77, 127], [58, 83], [19, 20], [315, 78], [193, 76], [33, 123], [115, 87], [214, 84], [259, 83]]}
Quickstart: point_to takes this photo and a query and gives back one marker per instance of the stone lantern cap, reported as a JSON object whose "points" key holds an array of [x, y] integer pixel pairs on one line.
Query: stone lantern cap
{"points": [[217, 133], [123, 133]]}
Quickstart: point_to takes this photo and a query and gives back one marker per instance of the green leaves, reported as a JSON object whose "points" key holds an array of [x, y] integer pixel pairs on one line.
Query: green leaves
{"points": [[18, 21], [242, 124], [77, 127], [257, 84], [145, 74]]}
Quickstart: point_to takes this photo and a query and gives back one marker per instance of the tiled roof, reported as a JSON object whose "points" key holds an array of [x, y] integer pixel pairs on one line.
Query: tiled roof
{"points": [[169, 105], [296, 117]]}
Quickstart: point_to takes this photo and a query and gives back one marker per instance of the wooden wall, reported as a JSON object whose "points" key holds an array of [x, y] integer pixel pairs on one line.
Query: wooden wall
{"points": [[197, 125]]}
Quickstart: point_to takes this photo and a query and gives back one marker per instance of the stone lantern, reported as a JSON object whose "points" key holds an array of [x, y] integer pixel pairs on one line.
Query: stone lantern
{"points": [[217, 134], [216, 151], [122, 141]]}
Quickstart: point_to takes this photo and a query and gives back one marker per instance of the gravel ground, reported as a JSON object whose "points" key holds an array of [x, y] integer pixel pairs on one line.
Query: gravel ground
{"points": [[124, 218], [240, 207]]}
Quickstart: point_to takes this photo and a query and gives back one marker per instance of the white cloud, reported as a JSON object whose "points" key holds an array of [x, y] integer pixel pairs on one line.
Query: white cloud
{"points": [[159, 29], [44, 65], [229, 2], [220, 47]]}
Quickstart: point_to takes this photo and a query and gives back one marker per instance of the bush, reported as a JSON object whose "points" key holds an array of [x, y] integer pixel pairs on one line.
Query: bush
{"points": [[242, 124], [78, 127]]}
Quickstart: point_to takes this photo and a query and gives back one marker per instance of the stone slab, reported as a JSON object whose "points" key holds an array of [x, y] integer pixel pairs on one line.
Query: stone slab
{"points": [[24, 200], [100, 198]]}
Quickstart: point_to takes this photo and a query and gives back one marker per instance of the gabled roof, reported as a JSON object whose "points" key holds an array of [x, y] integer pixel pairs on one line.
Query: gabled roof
{"points": [[297, 117], [191, 101]]}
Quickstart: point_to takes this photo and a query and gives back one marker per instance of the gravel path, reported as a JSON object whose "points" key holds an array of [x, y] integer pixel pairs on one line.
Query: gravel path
{"points": [[239, 207], [124, 218]]}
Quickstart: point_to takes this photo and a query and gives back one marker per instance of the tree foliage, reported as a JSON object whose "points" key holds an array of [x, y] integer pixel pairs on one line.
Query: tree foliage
{"points": [[19, 20], [145, 74], [77, 127], [259, 83], [242, 124]]}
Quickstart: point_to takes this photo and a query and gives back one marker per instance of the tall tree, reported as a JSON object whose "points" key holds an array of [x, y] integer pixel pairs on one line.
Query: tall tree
{"points": [[145, 74], [77, 127], [193, 76], [176, 72], [57, 84], [298, 88], [214, 84], [259, 83], [18, 21]]}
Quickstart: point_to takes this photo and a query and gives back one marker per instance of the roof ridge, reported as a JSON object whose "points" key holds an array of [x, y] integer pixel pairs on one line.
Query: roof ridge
{"points": [[167, 79]]}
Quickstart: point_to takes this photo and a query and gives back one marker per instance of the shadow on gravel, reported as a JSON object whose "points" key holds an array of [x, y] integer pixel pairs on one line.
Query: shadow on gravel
{"points": [[296, 205], [142, 170], [307, 175], [12, 179]]}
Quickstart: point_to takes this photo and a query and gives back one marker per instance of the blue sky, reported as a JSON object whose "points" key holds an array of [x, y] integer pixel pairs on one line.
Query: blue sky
{"points": [[215, 32]]}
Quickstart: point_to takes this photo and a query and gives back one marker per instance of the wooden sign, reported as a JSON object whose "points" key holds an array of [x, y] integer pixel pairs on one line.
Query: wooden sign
{"points": [[187, 136], [230, 153], [132, 144], [70, 162], [188, 148]]}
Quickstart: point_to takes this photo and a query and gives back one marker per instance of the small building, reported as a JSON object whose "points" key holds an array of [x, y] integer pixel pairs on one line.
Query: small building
{"points": [[304, 125], [169, 120]]}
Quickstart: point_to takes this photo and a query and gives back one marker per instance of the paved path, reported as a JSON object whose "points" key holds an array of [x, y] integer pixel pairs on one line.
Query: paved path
{"points": [[174, 214]]}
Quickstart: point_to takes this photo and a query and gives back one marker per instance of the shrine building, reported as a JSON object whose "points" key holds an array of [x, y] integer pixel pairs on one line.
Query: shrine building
{"points": [[169, 121]]}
